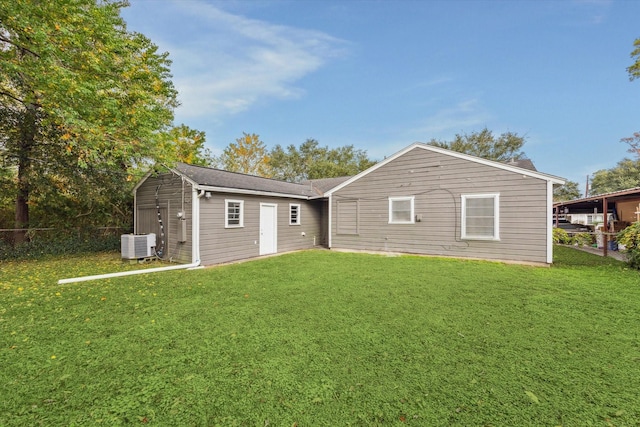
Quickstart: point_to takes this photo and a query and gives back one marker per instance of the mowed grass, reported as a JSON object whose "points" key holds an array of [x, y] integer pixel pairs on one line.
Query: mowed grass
{"points": [[320, 338]]}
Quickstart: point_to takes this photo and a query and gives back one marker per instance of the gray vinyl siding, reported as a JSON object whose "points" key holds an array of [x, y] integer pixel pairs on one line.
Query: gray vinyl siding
{"points": [[347, 216], [171, 200], [219, 244], [437, 182]]}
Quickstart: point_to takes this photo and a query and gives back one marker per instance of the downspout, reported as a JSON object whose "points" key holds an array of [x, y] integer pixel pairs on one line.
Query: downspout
{"points": [[329, 222], [550, 222], [195, 250], [195, 224]]}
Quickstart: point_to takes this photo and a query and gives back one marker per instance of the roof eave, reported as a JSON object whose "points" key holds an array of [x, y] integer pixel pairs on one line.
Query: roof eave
{"points": [[230, 190], [184, 176], [613, 194]]}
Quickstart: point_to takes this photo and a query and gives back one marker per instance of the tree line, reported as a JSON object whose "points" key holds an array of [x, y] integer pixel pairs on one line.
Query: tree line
{"points": [[249, 155]]}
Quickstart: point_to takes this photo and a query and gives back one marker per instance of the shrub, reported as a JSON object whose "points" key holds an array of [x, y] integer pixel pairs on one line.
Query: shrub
{"points": [[560, 236], [61, 242], [584, 239], [630, 238]]}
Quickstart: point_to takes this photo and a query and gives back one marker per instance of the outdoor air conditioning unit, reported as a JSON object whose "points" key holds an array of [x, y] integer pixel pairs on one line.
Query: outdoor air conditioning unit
{"points": [[134, 246]]}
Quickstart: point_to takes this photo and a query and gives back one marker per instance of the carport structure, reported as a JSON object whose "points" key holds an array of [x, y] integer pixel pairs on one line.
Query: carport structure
{"points": [[621, 208]]}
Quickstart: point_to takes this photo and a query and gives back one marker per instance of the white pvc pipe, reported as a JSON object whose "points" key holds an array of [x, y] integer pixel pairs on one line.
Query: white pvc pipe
{"points": [[195, 224], [128, 273]]}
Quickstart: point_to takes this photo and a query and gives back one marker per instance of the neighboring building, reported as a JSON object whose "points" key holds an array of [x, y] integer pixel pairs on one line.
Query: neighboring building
{"points": [[523, 163], [623, 208], [422, 200], [592, 219]]}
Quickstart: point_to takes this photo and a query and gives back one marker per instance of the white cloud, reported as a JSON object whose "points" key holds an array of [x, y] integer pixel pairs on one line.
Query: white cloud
{"points": [[593, 11], [448, 121], [227, 63], [438, 81]]}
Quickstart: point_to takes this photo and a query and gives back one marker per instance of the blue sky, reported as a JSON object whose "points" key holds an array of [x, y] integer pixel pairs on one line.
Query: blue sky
{"points": [[381, 75]]}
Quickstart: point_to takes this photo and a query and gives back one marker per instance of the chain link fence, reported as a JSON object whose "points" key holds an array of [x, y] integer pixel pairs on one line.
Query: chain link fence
{"points": [[38, 242]]}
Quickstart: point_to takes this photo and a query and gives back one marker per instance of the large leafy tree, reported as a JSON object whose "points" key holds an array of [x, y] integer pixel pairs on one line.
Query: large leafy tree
{"points": [[81, 101], [484, 144], [7, 194], [634, 143], [183, 144], [569, 191], [634, 69], [247, 155], [626, 174], [634, 73], [311, 161]]}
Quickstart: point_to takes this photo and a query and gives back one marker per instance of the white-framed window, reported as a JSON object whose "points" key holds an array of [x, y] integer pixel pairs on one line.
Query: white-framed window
{"points": [[480, 216], [294, 214], [401, 210], [234, 213]]}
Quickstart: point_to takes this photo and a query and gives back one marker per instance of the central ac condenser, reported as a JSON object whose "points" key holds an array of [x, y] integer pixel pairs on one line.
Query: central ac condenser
{"points": [[135, 246]]}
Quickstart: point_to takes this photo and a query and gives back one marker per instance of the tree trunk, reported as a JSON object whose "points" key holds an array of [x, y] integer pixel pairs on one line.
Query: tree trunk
{"points": [[22, 207], [25, 151]]}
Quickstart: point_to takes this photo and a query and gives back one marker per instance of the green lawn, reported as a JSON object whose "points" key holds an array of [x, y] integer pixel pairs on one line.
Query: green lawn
{"points": [[321, 338]]}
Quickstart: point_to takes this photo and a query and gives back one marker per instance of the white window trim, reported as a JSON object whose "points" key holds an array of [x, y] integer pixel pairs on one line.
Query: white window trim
{"points": [[496, 216], [400, 199], [299, 206], [226, 213]]}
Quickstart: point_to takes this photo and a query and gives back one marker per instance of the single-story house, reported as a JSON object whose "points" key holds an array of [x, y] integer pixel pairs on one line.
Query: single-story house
{"points": [[421, 200]]}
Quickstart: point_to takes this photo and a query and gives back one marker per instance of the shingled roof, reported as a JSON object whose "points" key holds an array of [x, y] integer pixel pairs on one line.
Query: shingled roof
{"points": [[325, 184], [522, 163], [210, 177]]}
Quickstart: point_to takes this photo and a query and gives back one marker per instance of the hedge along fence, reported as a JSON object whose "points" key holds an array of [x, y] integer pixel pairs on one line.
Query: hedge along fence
{"points": [[55, 241], [580, 239], [630, 237]]}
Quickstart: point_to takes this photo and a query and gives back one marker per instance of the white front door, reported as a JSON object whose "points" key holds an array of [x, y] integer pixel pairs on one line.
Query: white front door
{"points": [[268, 228]]}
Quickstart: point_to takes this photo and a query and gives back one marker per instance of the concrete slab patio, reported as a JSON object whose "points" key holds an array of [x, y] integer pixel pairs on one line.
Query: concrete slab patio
{"points": [[620, 256]]}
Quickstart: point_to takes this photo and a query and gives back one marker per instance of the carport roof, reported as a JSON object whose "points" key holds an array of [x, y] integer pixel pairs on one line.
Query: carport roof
{"points": [[587, 204]]}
